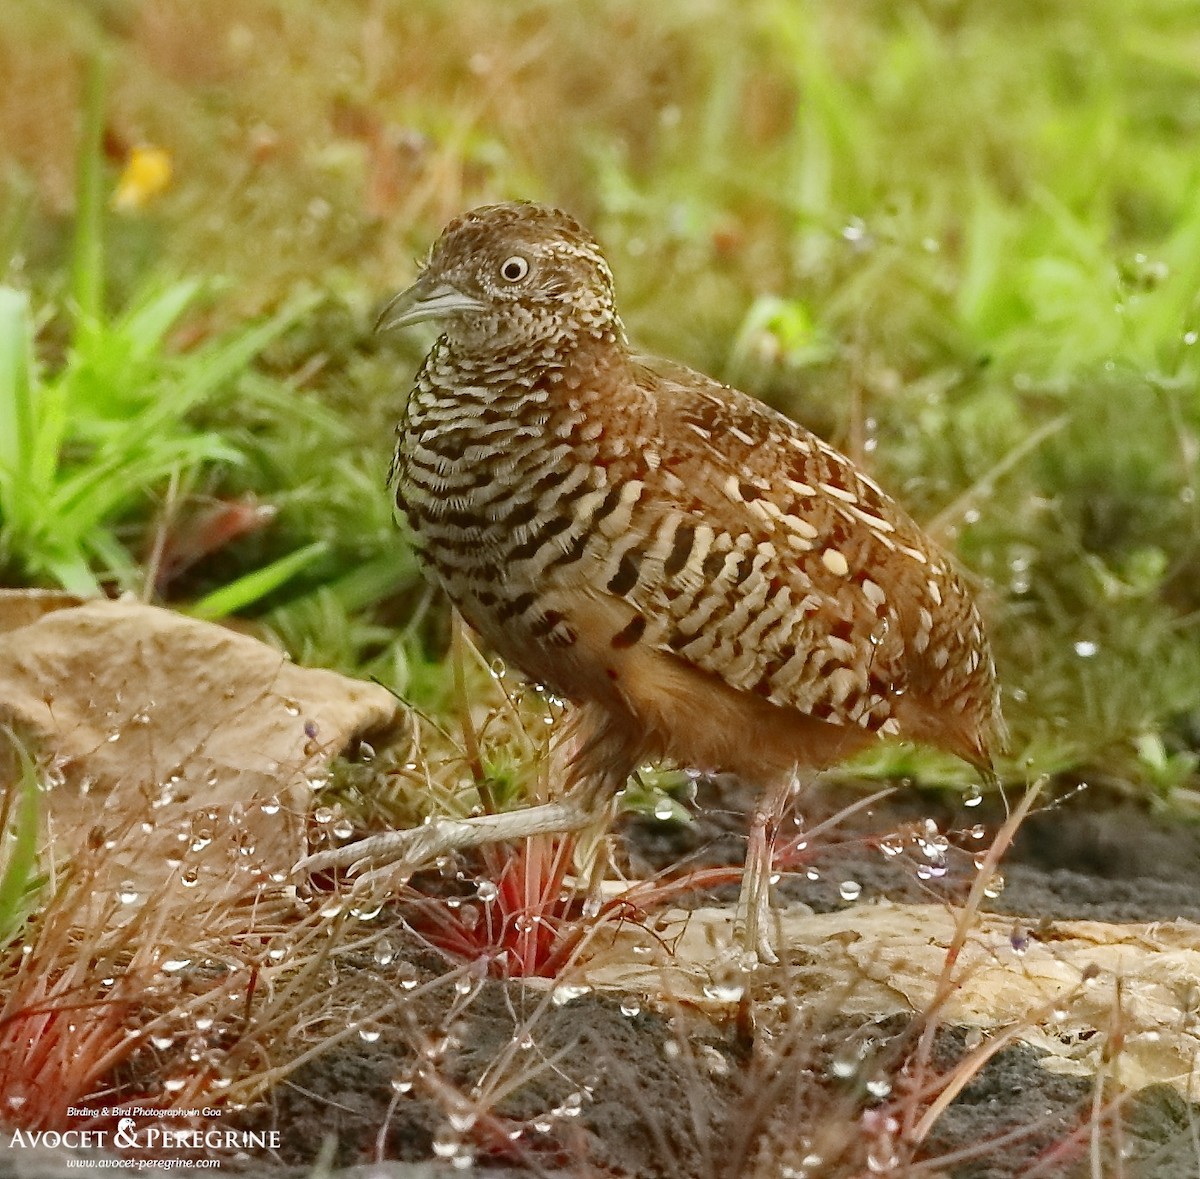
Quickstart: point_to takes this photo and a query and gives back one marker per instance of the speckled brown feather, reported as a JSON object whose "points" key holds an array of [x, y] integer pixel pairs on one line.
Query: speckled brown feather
{"points": [[708, 581]]}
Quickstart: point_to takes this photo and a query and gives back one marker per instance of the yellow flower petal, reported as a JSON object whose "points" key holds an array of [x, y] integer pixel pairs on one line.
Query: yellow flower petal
{"points": [[146, 175]]}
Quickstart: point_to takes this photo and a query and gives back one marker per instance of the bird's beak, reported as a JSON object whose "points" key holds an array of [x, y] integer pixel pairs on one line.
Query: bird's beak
{"points": [[425, 299]]}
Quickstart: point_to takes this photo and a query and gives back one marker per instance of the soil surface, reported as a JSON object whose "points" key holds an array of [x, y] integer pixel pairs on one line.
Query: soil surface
{"points": [[597, 1086], [651, 1094]]}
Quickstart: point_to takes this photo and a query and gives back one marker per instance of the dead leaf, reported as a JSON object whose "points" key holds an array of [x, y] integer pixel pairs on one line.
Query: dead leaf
{"points": [[188, 749], [1097, 997]]}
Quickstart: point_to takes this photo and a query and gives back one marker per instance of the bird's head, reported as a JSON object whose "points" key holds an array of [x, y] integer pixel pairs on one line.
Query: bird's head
{"points": [[505, 276]]}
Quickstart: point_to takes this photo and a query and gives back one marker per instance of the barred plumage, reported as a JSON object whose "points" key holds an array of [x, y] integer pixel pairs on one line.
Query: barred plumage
{"points": [[706, 580]]}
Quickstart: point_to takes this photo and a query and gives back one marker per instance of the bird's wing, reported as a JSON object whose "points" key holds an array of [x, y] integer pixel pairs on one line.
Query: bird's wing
{"points": [[772, 562]]}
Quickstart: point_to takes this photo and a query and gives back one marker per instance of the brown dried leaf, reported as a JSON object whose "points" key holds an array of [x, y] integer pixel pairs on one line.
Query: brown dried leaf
{"points": [[168, 737]]}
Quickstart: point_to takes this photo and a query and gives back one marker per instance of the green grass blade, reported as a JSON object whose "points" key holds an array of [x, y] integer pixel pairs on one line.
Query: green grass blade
{"points": [[20, 863], [17, 409], [253, 587], [87, 263]]}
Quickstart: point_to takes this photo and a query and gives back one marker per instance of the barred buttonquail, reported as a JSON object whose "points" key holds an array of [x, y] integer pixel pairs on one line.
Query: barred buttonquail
{"points": [[704, 580]]}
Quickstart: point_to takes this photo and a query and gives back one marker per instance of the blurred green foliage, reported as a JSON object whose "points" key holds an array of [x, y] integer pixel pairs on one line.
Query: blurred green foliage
{"points": [[960, 239]]}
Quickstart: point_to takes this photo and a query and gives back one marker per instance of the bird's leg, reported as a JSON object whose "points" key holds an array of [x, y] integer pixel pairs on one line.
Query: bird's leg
{"points": [[753, 918], [397, 854]]}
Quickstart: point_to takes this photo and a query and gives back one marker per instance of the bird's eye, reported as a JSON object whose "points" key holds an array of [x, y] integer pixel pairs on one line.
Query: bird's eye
{"points": [[514, 269]]}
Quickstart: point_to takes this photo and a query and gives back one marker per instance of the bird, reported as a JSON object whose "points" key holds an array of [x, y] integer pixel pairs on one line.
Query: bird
{"points": [[706, 582]]}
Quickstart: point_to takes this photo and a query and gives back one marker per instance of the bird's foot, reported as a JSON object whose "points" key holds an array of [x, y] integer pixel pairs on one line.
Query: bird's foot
{"points": [[390, 858]]}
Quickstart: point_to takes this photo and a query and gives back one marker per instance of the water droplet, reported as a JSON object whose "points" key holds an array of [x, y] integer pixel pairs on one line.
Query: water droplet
{"points": [[445, 1146], [972, 796], [367, 912], [162, 1041], [343, 829], [891, 845], [174, 1084], [463, 985], [291, 707], [127, 893], [487, 891], [663, 810], [406, 976], [402, 1085], [630, 1006], [385, 952], [725, 990], [994, 886], [497, 669], [1190, 337], [174, 965], [850, 890], [1085, 648], [204, 1023], [368, 1034], [879, 1087], [331, 908], [566, 993], [854, 231], [845, 1064]]}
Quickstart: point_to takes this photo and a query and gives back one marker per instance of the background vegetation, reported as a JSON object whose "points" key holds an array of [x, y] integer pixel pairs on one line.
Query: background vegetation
{"points": [[960, 239]]}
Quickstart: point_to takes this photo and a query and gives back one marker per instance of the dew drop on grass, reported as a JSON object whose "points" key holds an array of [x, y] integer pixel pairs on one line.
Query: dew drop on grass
{"points": [[343, 829], [406, 976], [972, 796], [445, 1146], [368, 1034], [402, 1085], [812, 874], [174, 965], [162, 1041], [174, 1084], [879, 1087], [367, 912], [725, 989], [204, 1023], [845, 1064], [291, 707], [487, 891], [1086, 649], [331, 908], [463, 985], [127, 893], [663, 810], [630, 1007], [994, 886], [891, 845], [385, 952], [566, 993], [849, 890]]}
